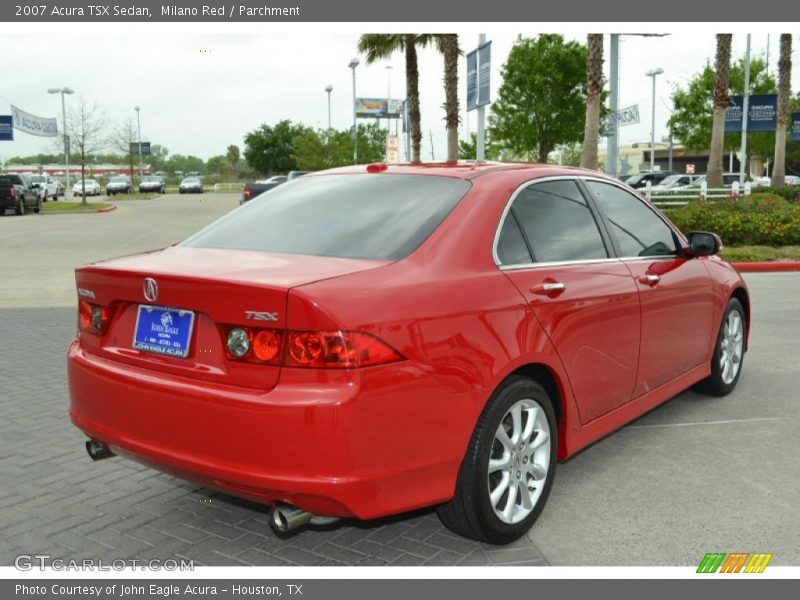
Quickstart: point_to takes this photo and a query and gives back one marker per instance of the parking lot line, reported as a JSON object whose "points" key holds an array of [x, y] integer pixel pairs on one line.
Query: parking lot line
{"points": [[691, 424]]}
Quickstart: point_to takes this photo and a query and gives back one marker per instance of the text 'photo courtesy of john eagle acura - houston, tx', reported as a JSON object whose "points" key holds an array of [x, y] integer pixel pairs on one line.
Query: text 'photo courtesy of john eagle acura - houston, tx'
{"points": [[371, 340]]}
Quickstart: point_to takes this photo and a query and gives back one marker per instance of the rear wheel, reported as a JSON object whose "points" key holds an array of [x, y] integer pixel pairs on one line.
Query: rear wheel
{"points": [[726, 362], [508, 470], [20, 208], [38, 208]]}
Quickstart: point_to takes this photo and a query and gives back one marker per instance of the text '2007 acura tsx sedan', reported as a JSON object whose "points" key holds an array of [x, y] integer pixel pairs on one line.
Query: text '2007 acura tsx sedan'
{"points": [[371, 340]]}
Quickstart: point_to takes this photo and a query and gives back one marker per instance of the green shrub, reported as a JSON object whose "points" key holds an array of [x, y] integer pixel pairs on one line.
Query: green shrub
{"points": [[790, 192], [764, 219]]}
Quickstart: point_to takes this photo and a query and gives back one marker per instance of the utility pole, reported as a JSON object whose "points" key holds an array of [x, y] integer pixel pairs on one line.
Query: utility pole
{"points": [[353, 64], [612, 141], [139, 129], [745, 113], [329, 89], [430, 134], [481, 149]]}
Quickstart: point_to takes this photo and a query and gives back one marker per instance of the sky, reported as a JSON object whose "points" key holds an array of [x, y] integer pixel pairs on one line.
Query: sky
{"points": [[204, 87]]}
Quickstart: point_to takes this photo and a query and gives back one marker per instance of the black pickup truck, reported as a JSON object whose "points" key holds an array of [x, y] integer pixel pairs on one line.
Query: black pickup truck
{"points": [[251, 190], [17, 192]]}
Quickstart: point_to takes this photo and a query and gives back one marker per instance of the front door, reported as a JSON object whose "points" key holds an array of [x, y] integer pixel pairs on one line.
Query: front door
{"points": [[552, 249]]}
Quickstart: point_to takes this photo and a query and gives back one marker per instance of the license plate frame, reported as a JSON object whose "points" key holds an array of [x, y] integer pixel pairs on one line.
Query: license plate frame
{"points": [[161, 339]]}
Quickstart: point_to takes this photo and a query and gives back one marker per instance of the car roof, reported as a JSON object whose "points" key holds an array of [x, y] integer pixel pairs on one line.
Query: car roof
{"points": [[462, 169]]}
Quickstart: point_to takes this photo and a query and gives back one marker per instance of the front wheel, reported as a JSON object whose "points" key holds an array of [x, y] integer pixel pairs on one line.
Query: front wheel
{"points": [[508, 470], [38, 208], [726, 362]]}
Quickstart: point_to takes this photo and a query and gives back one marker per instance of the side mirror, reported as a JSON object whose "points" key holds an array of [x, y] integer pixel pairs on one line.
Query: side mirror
{"points": [[704, 243]]}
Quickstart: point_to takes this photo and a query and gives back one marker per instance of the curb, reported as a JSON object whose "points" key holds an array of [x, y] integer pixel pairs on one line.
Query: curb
{"points": [[107, 209], [778, 266]]}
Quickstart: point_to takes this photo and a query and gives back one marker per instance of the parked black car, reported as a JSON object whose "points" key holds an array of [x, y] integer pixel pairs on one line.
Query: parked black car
{"points": [[17, 192]]}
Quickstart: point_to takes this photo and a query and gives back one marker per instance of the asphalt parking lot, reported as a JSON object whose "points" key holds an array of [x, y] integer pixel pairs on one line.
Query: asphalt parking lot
{"points": [[696, 475]]}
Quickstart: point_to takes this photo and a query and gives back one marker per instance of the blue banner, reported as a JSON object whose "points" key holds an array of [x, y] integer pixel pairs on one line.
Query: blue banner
{"points": [[6, 128], [484, 73], [472, 80], [795, 131], [762, 109]]}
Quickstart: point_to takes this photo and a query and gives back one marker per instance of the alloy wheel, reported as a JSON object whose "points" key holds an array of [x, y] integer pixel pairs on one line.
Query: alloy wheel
{"points": [[519, 461], [731, 346]]}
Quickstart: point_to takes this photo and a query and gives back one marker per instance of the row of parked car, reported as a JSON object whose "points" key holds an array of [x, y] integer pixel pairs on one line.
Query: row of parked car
{"points": [[669, 180]]}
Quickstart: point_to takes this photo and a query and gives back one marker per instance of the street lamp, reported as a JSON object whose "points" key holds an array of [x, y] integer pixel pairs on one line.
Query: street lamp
{"points": [[353, 64], [653, 73], [329, 89], [139, 136], [62, 91]]}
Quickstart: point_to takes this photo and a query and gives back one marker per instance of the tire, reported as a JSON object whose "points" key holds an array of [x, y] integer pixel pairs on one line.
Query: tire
{"points": [[20, 207], [38, 208], [472, 512], [728, 356]]}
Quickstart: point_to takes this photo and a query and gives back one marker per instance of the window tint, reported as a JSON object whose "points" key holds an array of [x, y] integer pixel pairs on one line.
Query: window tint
{"points": [[639, 231], [383, 217], [557, 222], [511, 246]]}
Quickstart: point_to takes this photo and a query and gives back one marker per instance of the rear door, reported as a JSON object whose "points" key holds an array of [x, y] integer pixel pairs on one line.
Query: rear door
{"points": [[551, 248], [676, 292]]}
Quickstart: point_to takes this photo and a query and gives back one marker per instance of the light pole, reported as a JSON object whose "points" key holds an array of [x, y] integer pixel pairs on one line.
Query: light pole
{"points": [[62, 91], [353, 64], [139, 136], [653, 73], [329, 89]]}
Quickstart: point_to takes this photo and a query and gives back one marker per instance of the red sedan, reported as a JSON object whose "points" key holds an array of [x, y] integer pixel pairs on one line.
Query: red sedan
{"points": [[371, 340]]}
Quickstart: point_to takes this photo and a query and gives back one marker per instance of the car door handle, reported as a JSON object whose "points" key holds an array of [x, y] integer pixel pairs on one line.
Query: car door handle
{"points": [[547, 288], [650, 279]]}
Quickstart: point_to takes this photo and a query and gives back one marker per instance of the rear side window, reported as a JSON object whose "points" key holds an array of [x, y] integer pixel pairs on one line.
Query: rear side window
{"points": [[557, 223], [638, 230], [370, 216], [511, 246]]}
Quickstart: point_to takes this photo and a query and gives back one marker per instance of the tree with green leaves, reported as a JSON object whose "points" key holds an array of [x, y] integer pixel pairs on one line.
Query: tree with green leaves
{"points": [[268, 149], [693, 111], [380, 46], [594, 94], [317, 150], [232, 154], [468, 149], [540, 103], [784, 98], [720, 100]]}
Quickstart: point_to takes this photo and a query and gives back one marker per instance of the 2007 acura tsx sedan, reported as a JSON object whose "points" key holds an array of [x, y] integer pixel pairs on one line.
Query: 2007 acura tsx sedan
{"points": [[371, 340]]}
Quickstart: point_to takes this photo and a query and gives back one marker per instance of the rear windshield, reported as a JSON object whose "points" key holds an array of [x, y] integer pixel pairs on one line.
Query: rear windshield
{"points": [[10, 180], [382, 217]]}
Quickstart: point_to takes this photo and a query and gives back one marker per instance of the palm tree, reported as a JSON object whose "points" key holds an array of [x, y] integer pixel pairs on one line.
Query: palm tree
{"points": [[594, 91], [721, 100], [784, 97], [447, 43], [379, 46]]}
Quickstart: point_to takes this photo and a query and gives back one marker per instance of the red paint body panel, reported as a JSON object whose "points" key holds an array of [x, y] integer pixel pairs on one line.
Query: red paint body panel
{"points": [[390, 438]]}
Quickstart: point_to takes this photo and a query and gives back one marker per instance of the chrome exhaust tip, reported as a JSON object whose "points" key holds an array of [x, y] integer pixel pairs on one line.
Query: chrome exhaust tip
{"points": [[287, 518], [98, 450]]}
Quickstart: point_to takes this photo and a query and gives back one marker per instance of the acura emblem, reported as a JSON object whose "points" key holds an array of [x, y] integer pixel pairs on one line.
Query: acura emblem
{"points": [[150, 288]]}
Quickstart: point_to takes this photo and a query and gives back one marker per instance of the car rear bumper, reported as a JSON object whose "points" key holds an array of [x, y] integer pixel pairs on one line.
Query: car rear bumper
{"points": [[335, 446]]}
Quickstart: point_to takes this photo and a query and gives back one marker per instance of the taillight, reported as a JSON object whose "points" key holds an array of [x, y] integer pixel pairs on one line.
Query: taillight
{"points": [[13, 192], [308, 349], [247, 192], [93, 318]]}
